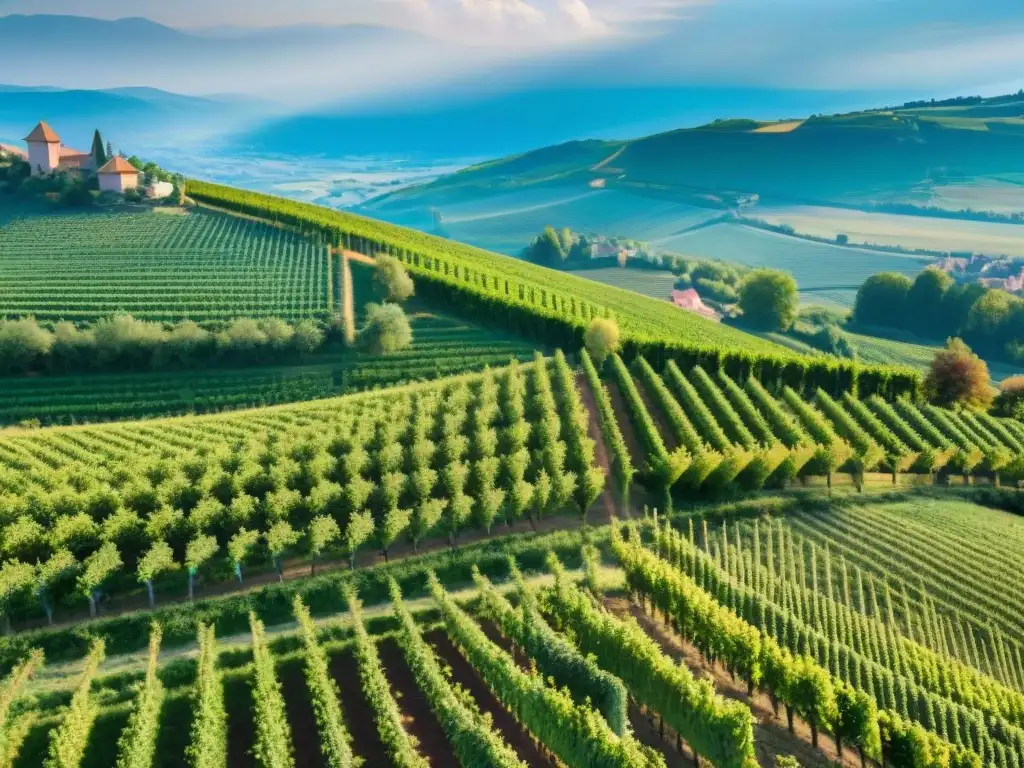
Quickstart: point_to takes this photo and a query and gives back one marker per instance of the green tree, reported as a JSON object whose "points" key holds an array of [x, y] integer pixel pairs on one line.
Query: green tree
{"points": [[98, 152], [158, 560], [426, 515], [390, 280], [240, 548], [386, 330], [547, 248], [98, 568], [357, 532], [769, 300], [16, 580], [601, 339], [813, 696], [882, 299], [323, 531], [308, 337], [197, 553], [857, 722], [988, 322], [924, 308], [393, 524], [280, 538], [23, 345], [49, 574], [957, 376]]}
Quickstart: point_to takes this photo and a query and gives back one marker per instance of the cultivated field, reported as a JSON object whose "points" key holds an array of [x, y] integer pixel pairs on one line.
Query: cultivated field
{"points": [[814, 265], [875, 349], [657, 284], [201, 266], [442, 346], [507, 223], [925, 232]]}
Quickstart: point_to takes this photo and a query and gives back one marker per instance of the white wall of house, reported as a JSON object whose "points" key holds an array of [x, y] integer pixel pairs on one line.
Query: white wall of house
{"points": [[118, 182], [158, 190], [43, 157]]}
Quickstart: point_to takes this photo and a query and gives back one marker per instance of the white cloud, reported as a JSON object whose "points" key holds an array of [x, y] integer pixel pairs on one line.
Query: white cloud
{"points": [[516, 13]]}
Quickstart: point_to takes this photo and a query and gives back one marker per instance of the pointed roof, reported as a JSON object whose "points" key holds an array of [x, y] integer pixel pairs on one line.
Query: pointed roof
{"points": [[43, 133], [118, 165]]}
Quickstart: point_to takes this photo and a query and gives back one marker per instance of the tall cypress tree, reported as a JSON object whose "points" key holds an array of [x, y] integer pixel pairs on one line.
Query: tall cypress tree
{"points": [[99, 154]]}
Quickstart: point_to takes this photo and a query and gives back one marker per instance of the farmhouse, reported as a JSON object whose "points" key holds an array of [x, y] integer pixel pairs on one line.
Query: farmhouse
{"points": [[118, 175], [691, 302], [46, 154]]}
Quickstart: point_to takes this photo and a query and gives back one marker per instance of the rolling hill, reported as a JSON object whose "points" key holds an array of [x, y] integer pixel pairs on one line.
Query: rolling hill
{"points": [[848, 157]]}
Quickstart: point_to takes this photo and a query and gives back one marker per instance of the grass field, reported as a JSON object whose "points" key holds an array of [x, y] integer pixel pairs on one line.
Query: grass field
{"points": [[657, 284], [200, 266], [896, 230], [814, 265], [441, 346]]}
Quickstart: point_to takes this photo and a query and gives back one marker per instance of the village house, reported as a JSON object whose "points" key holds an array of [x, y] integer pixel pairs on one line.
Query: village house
{"points": [[47, 154], [117, 175], [691, 302]]}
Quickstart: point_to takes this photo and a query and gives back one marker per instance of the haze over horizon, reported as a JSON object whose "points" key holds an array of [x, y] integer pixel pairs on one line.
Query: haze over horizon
{"points": [[926, 47]]}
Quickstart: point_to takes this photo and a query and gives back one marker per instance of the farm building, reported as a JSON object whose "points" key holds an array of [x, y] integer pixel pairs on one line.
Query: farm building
{"points": [[158, 190], [118, 175], [46, 154], [691, 302]]}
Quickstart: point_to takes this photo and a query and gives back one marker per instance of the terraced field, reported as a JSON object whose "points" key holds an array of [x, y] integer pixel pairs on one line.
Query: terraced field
{"points": [[159, 266], [814, 265], [442, 346]]}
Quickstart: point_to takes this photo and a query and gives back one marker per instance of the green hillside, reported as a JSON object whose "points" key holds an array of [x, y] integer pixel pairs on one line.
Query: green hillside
{"points": [[838, 157]]}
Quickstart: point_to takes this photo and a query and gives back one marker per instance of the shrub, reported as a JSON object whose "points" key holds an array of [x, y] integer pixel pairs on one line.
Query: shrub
{"points": [[602, 339], [958, 377], [390, 280], [769, 300], [387, 329]]}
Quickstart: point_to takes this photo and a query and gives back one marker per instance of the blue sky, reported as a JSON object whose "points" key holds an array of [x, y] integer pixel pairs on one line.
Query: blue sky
{"points": [[941, 47]]}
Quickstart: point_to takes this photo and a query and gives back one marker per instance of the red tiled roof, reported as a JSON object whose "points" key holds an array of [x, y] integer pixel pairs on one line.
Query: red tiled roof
{"points": [[13, 150], [66, 152], [118, 165], [43, 133]]}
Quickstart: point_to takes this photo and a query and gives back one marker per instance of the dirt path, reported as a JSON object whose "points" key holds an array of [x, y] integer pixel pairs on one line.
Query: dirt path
{"points": [[654, 408], [420, 721], [296, 568], [771, 736], [241, 722], [606, 502], [636, 452], [305, 731], [645, 730], [359, 258], [359, 717], [464, 674]]}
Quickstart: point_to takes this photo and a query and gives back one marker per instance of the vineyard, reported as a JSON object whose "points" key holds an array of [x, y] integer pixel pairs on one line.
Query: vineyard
{"points": [[107, 509], [547, 667], [442, 346], [199, 266], [482, 555], [446, 268], [697, 430], [553, 306]]}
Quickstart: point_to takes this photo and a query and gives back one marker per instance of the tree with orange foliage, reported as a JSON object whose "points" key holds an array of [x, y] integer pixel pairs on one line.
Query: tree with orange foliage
{"points": [[958, 377]]}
